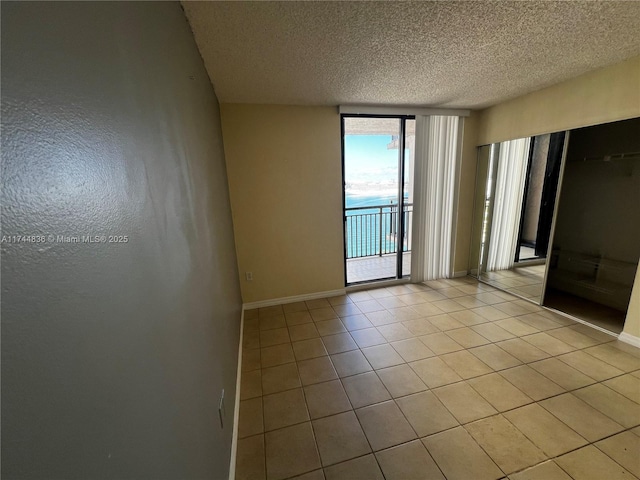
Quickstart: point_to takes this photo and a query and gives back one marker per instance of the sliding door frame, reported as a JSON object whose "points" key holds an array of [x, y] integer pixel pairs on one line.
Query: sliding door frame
{"points": [[401, 179], [525, 194], [552, 233]]}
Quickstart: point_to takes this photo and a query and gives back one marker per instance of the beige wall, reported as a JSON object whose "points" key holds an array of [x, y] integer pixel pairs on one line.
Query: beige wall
{"points": [[285, 177], [601, 96], [632, 322]]}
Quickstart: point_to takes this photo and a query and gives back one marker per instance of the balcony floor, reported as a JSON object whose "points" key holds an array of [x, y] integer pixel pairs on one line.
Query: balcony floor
{"points": [[375, 268]]}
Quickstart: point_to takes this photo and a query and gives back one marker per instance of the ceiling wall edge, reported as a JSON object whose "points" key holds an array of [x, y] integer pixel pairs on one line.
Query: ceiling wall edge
{"points": [[195, 40], [400, 110], [603, 95]]}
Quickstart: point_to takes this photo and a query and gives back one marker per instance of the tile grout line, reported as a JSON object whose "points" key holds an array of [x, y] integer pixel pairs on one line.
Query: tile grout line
{"points": [[496, 343]]}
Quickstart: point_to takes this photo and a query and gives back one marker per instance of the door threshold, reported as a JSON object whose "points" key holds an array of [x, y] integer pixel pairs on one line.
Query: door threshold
{"points": [[376, 284]]}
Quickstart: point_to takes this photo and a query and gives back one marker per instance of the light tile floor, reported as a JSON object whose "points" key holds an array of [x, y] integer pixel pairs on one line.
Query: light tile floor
{"points": [[523, 281], [449, 379]]}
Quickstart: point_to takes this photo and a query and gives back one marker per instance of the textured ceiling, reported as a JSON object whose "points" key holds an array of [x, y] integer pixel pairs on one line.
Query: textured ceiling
{"points": [[440, 54]]}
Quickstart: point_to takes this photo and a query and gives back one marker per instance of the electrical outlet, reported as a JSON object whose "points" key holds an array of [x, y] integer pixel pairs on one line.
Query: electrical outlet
{"points": [[248, 276], [221, 410]]}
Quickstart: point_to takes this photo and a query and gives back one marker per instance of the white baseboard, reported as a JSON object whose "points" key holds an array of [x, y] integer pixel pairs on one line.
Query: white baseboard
{"points": [[630, 339], [236, 406], [461, 273], [295, 298]]}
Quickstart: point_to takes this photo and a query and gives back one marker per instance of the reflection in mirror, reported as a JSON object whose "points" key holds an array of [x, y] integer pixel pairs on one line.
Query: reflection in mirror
{"points": [[480, 203], [516, 185], [595, 251]]}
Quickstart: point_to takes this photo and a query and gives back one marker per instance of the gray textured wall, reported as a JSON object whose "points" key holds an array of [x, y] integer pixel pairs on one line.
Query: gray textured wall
{"points": [[113, 354]]}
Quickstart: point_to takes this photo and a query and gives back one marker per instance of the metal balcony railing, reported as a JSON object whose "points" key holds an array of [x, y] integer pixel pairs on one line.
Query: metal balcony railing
{"points": [[371, 231]]}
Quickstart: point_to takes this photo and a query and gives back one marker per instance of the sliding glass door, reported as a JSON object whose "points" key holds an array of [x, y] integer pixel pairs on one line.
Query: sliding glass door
{"points": [[377, 155]]}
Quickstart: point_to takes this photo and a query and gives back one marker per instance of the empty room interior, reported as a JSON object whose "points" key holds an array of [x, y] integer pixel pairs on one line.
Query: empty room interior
{"points": [[320, 240]]}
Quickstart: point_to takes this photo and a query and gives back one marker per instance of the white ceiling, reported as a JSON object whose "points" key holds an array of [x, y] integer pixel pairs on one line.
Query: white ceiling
{"points": [[439, 54]]}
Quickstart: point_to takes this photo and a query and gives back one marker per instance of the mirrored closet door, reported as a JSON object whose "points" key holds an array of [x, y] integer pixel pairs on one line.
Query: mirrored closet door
{"points": [[515, 196], [557, 220], [596, 242]]}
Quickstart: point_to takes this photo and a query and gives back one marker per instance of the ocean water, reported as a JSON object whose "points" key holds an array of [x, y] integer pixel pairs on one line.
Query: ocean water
{"points": [[370, 231], [355, 200]]}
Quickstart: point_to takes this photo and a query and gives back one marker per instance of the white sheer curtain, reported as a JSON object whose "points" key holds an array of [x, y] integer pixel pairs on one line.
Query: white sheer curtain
{"points": [[435, 183], [507, 205]]}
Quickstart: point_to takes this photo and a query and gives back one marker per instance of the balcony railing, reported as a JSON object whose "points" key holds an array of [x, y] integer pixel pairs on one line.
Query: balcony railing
{"points": [[371, 231]]}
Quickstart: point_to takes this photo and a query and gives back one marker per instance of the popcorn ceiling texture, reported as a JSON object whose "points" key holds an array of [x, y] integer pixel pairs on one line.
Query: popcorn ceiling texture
{"points": [[448, 54]]}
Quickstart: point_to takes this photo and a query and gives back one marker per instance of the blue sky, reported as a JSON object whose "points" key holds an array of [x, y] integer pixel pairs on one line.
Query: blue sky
{"points": [[367, 159]]}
